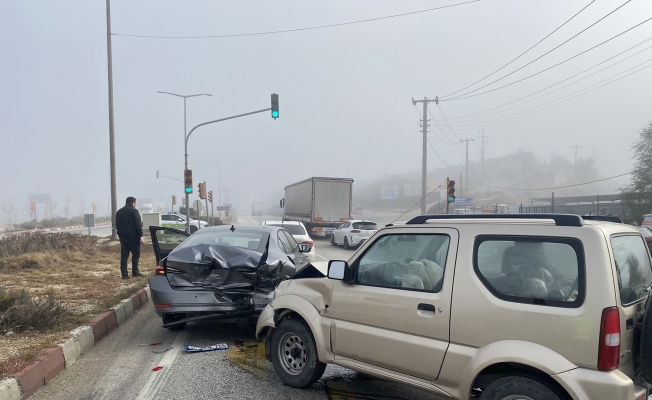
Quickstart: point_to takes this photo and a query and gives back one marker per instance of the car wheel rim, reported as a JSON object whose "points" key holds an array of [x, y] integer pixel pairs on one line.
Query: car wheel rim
{"points": [[517, 397], [292, 353]]}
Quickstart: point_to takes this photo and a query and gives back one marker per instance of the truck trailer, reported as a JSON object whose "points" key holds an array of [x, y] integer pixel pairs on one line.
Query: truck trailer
{"points": [[322, 204]]}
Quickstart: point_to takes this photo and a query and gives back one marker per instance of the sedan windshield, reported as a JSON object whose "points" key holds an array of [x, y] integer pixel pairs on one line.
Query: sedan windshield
{"points": [[247, 240], [293, 229]]}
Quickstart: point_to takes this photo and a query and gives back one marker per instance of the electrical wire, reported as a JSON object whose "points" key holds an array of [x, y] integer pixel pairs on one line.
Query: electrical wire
{"points": [[420, 200], [442, 132], [481, 123], [441, 159], [551, 67], [442, 141], [523, 53], [556, 187], [562, 81], [295, 29], [546, 53], [449, 126]]}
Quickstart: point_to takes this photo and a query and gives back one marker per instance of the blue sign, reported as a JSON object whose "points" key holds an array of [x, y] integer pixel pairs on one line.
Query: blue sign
{"points": [[463, 201]]}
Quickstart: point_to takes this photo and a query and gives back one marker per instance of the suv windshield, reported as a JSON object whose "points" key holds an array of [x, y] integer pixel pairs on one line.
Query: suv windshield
{"points": [[293, 229], [369, 226], [633, 266]]}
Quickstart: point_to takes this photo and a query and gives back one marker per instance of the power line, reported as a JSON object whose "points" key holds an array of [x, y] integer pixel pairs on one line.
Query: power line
{"points": [[563, 101], [544, 70], [449, 126], [440, 130], [441, 159], [556, 187], [481, 123], [442, 141], [523, 53], [562, 81], [548, 52], [295, 29]]}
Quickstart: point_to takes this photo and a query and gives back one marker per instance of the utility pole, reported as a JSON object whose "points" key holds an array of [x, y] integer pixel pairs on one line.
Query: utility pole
{"points": [[219, 186], [424, 156], [593, 148], [482, 135], [114, 191], [467, 140], [576, 147]]}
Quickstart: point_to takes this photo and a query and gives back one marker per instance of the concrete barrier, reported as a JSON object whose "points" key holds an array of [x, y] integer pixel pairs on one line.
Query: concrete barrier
{"points": [[129, 307], [71, 351], [48, 364], [9, 389], [135, 301], [120, 315]]}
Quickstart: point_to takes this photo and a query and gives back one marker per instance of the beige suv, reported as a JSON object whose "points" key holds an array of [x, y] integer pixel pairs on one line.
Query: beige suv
{"points": [[505, 307]]}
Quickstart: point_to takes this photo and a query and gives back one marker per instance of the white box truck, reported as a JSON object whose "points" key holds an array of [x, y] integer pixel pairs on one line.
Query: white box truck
{"points": [[322, 204]]}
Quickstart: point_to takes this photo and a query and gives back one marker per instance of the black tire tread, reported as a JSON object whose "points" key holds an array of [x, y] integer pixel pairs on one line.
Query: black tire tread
{"points": [[312, 372], [346, 243], [524, 384]]}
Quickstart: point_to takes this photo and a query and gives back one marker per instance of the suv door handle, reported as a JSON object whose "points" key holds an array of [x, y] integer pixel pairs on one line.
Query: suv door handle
{"points": [[426, 307]]}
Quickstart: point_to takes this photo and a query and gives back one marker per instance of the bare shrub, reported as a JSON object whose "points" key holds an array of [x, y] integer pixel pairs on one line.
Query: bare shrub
{"points": [[14, 245], [20, 311]]}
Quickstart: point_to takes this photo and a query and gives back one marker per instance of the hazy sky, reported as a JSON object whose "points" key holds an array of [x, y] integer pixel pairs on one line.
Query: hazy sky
{"points": [[345, 92]]}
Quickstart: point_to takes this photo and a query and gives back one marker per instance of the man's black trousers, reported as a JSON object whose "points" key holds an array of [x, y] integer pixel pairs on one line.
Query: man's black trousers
{"points": [[129, 246]]}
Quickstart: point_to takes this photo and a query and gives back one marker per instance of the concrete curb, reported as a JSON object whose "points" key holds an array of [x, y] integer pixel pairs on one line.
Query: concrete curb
{"points": [[50, 362]]}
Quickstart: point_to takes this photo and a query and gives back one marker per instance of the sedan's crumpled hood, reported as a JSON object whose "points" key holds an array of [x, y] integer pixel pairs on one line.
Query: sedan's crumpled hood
{"points": [[223, 267]]}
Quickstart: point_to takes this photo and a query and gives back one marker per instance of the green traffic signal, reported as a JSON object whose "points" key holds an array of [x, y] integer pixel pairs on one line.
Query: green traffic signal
{"points": [[451, 199], [188, 189], [275, 106], [274, 114]]}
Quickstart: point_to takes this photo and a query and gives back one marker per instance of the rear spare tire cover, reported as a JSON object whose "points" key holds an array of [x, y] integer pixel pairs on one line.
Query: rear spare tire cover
{"points": [[646, 342]]}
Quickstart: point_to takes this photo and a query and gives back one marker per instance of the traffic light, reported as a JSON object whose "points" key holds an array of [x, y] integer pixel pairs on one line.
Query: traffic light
{"points": [[275, 113], [187, 180], [450, 190], [32, 205], [202, 191], [210, 196], [174, 200]]}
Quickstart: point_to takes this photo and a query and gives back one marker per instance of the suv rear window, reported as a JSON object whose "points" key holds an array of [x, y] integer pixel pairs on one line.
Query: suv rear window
{"points": [[293, 229], [633, 266], [367, 226], [543, 271]]}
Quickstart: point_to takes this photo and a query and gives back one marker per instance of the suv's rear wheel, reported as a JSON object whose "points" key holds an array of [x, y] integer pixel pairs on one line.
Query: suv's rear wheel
{"points": [[520, 387], [294, 354], [346, 243]]}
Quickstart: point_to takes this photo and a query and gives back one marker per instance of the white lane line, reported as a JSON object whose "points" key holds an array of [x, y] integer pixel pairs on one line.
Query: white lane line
{"points": [[154, 383]]}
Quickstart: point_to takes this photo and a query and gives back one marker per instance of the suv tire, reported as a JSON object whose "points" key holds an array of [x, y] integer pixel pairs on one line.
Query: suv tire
{"points": [[294, 354], [522, 387], [346, 244], [646, 342], [333, 240]]}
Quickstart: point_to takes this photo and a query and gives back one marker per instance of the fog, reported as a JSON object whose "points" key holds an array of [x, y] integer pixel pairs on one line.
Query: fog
{"points": [[345, 92]]}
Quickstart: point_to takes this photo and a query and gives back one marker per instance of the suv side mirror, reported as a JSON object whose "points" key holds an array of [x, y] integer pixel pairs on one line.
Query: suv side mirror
{"points": [[305, 248], [340, 270]]}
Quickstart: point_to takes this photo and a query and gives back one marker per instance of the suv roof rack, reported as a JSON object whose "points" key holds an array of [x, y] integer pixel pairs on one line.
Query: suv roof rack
{"points": [[560, 219], [605, 218]]}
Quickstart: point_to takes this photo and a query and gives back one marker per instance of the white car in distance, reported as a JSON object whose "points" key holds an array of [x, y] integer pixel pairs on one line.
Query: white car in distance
{"points": [[296, 229], [353, 233]]}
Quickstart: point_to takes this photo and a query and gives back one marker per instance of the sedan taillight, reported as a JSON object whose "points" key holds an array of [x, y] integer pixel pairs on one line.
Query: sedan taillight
{"points": [[159, 270], [309, 243]]}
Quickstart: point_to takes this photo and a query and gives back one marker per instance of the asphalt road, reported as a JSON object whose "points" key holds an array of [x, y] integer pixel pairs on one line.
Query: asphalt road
{"points": [[121, 366]]}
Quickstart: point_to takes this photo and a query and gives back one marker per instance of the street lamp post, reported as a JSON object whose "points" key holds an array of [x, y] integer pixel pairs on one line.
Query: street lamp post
{"points": [[185, 134]]}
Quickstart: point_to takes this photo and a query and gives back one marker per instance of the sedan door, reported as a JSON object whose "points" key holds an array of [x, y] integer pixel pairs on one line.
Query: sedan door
{"points": [[164, 240], [397, 313]]}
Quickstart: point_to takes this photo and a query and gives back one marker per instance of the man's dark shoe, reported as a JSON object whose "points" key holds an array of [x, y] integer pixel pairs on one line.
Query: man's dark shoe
{"points": [[125, 277], [137, 274]]}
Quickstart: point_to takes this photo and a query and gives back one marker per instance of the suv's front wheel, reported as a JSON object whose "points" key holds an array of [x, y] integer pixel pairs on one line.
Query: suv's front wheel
{"points": [[294, 354], [521, 387]]}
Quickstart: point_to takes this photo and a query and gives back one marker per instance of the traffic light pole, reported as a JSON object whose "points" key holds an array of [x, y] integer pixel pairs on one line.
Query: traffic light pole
{"points": [[206, 201], [186, 153]]}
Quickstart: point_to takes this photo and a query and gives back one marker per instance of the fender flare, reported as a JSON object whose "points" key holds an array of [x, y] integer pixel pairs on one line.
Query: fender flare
{"points": [[319, 325]]}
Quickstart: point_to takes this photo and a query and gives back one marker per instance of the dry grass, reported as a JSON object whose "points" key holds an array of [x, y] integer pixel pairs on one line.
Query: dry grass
{"points": [[81, 275]]}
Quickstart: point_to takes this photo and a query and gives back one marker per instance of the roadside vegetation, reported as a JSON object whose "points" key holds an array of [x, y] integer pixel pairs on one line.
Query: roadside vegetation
{"points": [[52, 283]]}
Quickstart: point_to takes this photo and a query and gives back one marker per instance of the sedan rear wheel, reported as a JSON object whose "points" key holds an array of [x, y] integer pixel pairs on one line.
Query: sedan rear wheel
{"points": [[333, 240], [294, 354]]}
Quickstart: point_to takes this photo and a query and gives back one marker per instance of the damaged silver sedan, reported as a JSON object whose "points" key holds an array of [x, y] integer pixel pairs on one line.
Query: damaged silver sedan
{"points": [[225, 272]]}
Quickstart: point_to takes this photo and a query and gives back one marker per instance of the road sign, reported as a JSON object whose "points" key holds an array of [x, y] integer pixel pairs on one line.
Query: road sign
{"points": [[222, 208], [197, 206], [39, 198], [463, 201]]}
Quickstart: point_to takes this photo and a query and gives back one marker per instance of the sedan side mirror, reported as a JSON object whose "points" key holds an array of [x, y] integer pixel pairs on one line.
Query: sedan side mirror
{"points": [[179, 220], [340, 270], [305, 248]]}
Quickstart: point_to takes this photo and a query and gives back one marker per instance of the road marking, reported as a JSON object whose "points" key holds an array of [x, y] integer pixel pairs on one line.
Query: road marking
{"points": [[154, 383]]}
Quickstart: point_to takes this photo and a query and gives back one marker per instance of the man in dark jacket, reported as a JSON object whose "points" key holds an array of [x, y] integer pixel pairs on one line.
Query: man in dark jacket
{"points": [[130, 232]]}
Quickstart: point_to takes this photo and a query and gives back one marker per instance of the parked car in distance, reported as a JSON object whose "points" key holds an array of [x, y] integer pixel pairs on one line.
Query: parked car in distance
{"points": [[298, 232], [224, 272], [173, 220], [353, 233], [495, 307]]}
